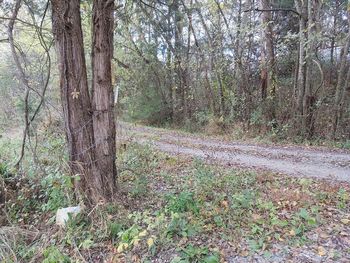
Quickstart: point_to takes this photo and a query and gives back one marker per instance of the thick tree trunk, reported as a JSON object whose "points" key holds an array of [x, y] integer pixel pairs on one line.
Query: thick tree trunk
{"points": [[75, 96], [103, 95]]}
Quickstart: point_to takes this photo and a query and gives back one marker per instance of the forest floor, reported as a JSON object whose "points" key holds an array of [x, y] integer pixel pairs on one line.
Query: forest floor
{"points": [[316, 162], [182, 198]]}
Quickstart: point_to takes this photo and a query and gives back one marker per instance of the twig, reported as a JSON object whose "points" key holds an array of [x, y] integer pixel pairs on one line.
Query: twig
{"points": [[273, 10]]}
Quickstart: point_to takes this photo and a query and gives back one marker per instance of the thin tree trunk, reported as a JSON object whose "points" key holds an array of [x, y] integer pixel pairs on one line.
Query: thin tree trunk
{"points": [[212, 64], [269, 72], [103, 95], [341, 83], [301, 60]]}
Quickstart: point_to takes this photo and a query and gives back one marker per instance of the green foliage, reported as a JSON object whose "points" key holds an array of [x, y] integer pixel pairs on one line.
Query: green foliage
{"points": [[4, 170], [57, 188], [245, 200], [184, 202], [139, 163], [130, 237], [192, 254], [256, 117], [114, 229], [78, 232], [54, 255], [205, 178], [180, 226], [343, 199]]}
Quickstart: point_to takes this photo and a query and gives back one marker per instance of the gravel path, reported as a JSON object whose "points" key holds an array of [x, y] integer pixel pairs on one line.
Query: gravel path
{"points": [[291, 160]]}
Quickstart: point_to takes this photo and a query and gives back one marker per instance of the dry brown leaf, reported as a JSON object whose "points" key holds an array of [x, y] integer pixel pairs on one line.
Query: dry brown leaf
{"points": [[321, 251]]}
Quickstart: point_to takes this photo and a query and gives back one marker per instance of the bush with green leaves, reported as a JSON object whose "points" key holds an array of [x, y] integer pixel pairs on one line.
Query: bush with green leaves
{"points": [[193, 254], [180, 226], [183, 202], [137, 163], [53, 255], [57, 188], [78, 232]]}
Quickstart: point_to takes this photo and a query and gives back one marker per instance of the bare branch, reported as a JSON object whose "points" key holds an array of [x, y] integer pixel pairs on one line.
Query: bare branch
{"points": [[274, 10]]}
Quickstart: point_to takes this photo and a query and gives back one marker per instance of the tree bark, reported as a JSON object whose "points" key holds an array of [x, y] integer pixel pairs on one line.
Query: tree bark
{"points": [[75, 98], [90, 128], [341, 83], [301, 60], [268, 72], [103, 95]]}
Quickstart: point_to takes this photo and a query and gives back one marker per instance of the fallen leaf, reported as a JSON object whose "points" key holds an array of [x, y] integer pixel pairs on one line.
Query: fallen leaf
{"points": [[256, 217], [324, 235], [224, 204], [245, 253], [321, 251], [143, 233], [122, 247], [135, 258], [150, 242], [345, 221]]}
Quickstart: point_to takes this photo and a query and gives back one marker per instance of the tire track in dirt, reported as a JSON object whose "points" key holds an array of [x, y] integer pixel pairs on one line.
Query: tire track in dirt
{"points": [[290, 160]]}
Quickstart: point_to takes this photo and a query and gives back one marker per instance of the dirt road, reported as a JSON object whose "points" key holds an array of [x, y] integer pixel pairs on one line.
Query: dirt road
{"points": [[290, 160]]}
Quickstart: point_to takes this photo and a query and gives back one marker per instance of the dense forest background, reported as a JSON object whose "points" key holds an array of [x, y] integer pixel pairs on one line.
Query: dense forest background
{"points": [[270, 66], [277, 68]]}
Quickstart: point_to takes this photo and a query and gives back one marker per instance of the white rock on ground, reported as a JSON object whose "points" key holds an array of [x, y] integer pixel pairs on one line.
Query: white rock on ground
{"points": [[62, 214]]}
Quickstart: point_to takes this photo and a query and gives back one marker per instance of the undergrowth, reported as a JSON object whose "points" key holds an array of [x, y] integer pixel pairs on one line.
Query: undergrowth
{"points": [[169, 209]]}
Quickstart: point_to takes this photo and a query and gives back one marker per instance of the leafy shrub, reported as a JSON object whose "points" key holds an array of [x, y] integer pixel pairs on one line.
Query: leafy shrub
{"points": [[205, 178], [78, 232], [179, 226], [192, 254], [130, 237], [114, 229], [343, 198], [4, 171], [137, 163], [54, 255], [184, 202], [57, 189], [245, 200]]}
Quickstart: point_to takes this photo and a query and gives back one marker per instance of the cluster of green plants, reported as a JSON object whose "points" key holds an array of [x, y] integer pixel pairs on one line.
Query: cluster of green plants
{"points": [[204, 202], [136, 166]]}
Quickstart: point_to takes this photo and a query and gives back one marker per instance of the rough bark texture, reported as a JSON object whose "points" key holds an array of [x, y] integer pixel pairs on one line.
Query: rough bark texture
{"points": [[75, 94], [91, 156], [103, 94], [268, 75], [301, 60]]}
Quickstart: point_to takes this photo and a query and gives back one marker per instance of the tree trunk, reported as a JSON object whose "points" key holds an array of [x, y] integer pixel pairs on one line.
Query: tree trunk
{"points": [[75, 99], [301, 60], [90, 129], [178, 46], [103, 95], [269, 72], [309, 100], [341, 83]]}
